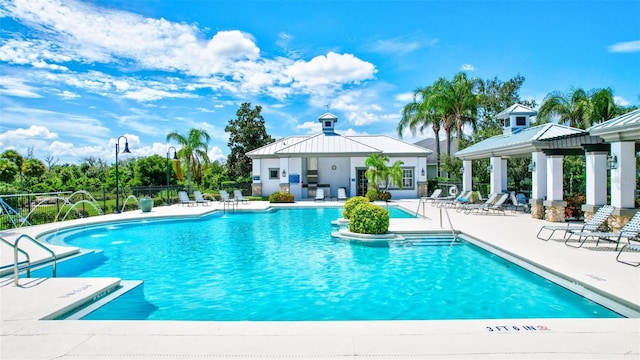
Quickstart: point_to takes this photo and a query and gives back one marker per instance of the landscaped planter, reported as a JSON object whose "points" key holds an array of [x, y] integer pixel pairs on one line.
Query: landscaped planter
{"points": [[146, 204]]}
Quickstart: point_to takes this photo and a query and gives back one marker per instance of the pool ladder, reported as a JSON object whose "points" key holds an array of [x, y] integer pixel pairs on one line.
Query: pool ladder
{"points": [[16, 250]]}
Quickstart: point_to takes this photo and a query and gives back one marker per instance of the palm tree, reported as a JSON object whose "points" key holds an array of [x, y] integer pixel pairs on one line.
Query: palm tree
{"points": [[377, 169], [194, 148], [418, 115], [396, 174], [603, 107], [571, 108]]}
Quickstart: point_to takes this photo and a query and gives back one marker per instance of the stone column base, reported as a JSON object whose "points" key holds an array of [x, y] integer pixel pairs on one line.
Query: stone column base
{"points": [[554, 210], [285, 188], [620, 218], [537, 208], [256, 189], [423, 190]]}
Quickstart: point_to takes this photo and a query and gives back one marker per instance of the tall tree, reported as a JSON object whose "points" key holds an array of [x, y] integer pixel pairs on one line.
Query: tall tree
{"points": [[193, 150], [247, 132], [603, 107], [418, 115], [571, 108]]}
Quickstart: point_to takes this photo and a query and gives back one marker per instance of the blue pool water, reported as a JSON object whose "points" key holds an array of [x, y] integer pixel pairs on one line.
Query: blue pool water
{"points": [[283, 265]]}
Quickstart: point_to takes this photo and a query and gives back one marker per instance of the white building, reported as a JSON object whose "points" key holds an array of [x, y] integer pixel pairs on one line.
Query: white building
{"points": [[301, 164]]}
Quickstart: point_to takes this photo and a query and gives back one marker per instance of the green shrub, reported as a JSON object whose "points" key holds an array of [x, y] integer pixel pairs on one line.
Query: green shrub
{"points": [[384, 195], [278, 197], [373, 195], [350, 204], [369, 219]]}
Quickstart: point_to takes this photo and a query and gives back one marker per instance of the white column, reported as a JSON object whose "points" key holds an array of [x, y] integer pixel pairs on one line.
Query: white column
{"points": [[554, 178], [467, 175], [284, 170], [496, 174], [255, 170], [539, 176], [596, 175], [504, 176], [623, 177]]}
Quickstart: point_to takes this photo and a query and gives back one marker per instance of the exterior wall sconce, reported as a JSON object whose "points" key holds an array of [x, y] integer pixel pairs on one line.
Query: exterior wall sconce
{"points": [[490, 168], [612, 162], [284, 173], [462, 170], [422, 172], [532, 166]]}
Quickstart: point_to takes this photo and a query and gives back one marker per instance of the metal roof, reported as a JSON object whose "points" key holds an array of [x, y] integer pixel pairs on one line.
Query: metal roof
{"points": [[520, 143], [516, 109], [622, 128], [336, 145]]}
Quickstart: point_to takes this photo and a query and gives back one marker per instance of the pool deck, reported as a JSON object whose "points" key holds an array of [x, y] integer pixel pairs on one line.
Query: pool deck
{"points": [[24, 334]]}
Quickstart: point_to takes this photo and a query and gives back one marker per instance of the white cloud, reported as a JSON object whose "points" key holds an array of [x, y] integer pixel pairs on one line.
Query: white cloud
{"points": [[310, 127], [13, 86], [330, 69], [401, 45], [405, 97], [69, 95], [619, 100], [628, 46], [467, 67]]}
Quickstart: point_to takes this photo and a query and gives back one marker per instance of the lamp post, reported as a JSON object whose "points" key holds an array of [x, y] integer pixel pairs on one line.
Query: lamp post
{"points": [[125, 151], [175, 157]]}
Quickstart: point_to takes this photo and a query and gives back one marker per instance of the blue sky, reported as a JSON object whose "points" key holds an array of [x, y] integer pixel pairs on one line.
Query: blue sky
{"points": [[76, 75]]}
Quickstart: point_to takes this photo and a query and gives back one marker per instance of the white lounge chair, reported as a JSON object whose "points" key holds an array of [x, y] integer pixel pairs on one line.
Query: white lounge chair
{"points": [[224, 196], [630, 230], [342, 194], [237, 196], [200, 198], [497, 206], [593, 224], [469, 208], [434, 195], [517, 204], [319, 194], [184, 199]]}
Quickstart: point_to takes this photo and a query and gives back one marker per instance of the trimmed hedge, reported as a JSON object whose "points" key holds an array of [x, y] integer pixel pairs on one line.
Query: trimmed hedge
{"points": [[350, 204], [369, 219], [278, 197]]}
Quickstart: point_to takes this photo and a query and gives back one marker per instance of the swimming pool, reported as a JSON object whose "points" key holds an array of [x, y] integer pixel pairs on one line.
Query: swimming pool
{"points": [[283, 265]]}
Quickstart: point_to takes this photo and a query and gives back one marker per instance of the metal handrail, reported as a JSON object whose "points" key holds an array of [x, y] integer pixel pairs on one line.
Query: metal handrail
{"points": [[23, 253], [453, 231], [39, 244]]}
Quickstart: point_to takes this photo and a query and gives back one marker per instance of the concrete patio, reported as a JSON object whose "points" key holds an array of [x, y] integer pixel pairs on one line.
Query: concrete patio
{"points": [[24, 335]]}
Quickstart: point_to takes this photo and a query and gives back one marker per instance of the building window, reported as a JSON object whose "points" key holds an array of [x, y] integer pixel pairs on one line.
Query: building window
{"points": [[327, 124], [274, 173], [407, 180], [521, 121], [507, 122]]}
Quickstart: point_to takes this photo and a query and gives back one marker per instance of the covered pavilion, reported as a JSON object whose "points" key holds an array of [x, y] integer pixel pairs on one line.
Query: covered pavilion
{"points": [[610, 145]]}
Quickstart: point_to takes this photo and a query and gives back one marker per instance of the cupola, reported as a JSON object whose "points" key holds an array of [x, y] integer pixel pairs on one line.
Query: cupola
{"points": [[328, 121], [515, 118]]}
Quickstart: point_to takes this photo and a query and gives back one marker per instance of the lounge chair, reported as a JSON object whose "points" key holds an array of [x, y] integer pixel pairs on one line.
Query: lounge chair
{"points": [[469, 208], [629, 231], [184, 199], [342, 194], [498, 206], [593, 224], [319, 194], [237, 196], [463, 198], [434, 195], [517, 204], [224, 196], [200, 198], [628, 248]]}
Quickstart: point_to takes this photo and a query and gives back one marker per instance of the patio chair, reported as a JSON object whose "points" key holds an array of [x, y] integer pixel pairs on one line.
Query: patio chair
{"points": [[434, 195], [469, 208], [237, 196], [342, 194], [517, 204], [319, 194], [593, 224], [224, 197], [184, 199], [200, 198], [626, 249], [463, 198], [629, 231], [498, 206]]}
